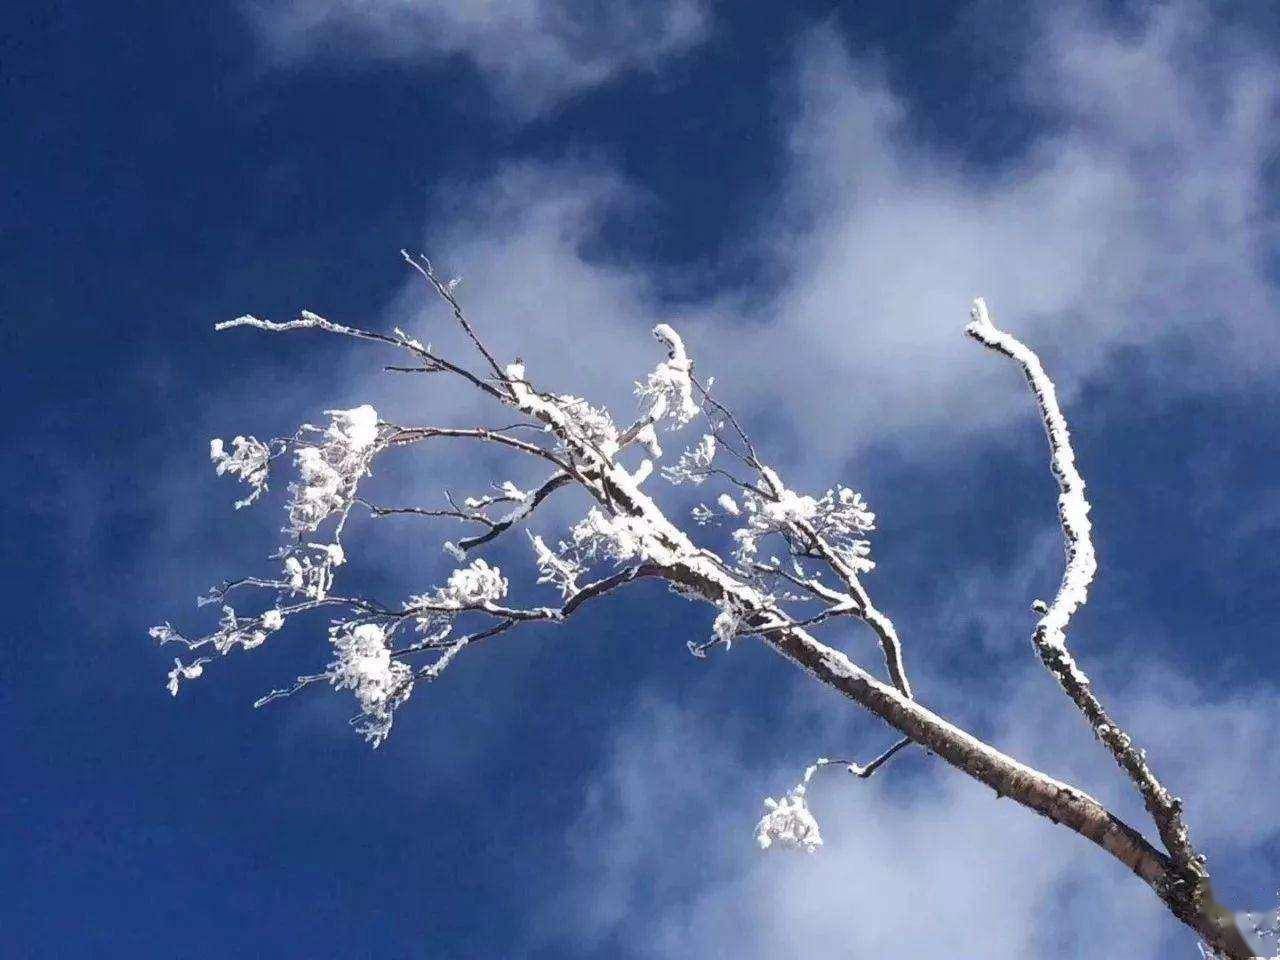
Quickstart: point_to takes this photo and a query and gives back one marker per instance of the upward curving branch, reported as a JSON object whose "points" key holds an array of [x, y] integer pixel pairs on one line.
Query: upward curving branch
{"points": [[1186, 887]]}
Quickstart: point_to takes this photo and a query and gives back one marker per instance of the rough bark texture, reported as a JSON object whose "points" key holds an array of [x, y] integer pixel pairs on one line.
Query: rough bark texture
{"points": [[1193, 904]]}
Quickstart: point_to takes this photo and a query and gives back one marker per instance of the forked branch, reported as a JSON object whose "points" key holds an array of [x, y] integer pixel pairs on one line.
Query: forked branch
{"points": [[786, 565]]}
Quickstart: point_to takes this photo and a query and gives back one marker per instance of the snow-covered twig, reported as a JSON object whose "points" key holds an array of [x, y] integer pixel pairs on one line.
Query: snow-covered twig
{"points": [[1050, 633]]}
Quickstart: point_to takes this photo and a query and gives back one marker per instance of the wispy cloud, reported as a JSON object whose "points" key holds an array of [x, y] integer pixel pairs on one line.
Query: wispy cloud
{"points": [[534, 53], [1140, 215]]}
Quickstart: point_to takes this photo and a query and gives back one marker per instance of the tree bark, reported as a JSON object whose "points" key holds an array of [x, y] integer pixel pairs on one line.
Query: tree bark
{"points": [[1190, 899]]}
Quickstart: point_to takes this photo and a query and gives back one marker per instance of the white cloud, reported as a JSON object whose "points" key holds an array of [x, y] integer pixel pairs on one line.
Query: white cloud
{"points": [[1139, 217], [1140, 214], [534, 52]]}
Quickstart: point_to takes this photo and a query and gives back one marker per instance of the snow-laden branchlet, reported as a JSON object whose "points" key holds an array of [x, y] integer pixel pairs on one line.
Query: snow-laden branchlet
{"points": [[248, 460], [558, 569], [330, 469], [694, 464], [473, 585], [182, 672], [669, 389]]}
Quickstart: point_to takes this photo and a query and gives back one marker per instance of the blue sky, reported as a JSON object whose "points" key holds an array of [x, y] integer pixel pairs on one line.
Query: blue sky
{"points": [[813, 194]]}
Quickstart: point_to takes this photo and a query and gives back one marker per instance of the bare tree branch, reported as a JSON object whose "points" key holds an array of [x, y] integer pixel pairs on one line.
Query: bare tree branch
{"points": [[627, 528], [445, 290]]}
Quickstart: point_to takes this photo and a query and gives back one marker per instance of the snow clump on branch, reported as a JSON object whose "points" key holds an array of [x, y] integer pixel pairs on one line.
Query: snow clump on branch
{"points": [[473, 586], [330, 471], [788, 822], [669, 388], [363, 665]]}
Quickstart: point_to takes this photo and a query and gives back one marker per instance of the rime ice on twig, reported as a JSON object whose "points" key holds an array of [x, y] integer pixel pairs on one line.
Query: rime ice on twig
{"points": [[248, 461], [363, 665], [694, 464], [789, 820], [1073, 508], [1050, 633], [555, 568], [188, 672]]}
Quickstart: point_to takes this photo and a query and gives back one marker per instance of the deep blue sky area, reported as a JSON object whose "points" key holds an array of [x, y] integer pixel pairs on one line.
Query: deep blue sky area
{"points": [[591, 791]]}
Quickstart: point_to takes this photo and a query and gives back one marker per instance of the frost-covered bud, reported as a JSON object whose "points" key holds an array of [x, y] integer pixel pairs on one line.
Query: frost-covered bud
{"points": [[188, 672], [476, 584], [788, 822]]}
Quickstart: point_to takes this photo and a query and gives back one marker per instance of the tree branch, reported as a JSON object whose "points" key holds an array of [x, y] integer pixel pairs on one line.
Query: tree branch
{"points": [[1185, 885], [519, 514], [1050, 633], [629, 528], [445, 290]]}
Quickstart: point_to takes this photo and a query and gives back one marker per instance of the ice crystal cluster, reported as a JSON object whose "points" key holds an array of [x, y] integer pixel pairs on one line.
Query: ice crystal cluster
{"points": [[788, 822], [362, 664]]}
